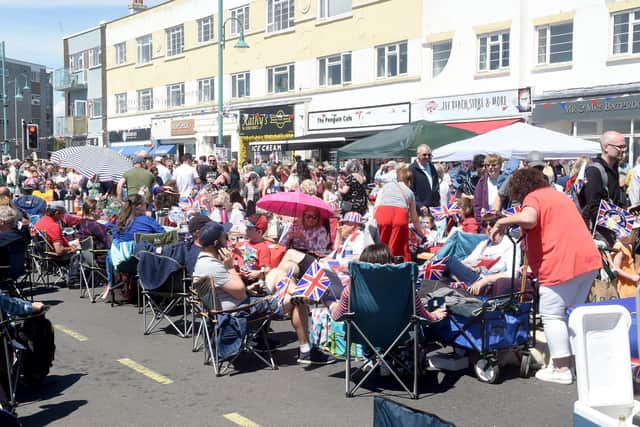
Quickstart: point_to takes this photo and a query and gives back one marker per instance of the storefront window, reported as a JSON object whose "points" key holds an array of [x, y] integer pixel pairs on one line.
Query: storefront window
{"points": [[586, 128], [623, 126]]}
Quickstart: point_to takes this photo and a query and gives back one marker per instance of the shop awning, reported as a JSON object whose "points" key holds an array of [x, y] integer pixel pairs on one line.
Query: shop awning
{"points": [[310, 141], [129, 150], [162, 150], [483, 126]]}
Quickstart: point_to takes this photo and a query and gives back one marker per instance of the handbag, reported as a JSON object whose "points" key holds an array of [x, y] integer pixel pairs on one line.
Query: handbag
{"points": [[602, 290], [346, 206]]}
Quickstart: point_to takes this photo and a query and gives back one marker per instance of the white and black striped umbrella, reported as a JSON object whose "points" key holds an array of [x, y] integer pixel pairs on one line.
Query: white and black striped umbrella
{"points": [[90, 160]]}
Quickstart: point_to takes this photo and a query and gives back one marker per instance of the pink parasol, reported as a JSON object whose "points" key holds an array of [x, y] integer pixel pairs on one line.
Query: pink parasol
{"points": [[294, 204]]}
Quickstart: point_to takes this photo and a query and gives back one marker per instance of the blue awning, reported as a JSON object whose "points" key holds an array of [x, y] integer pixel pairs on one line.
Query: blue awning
{"points": [[162, 150], [130, 150]]}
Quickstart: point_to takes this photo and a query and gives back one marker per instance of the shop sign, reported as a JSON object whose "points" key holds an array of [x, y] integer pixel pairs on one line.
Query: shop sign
{"points": [[381, 115], [143, 134], [267, 122], [266, 148], [182, 127], [588, 109], [507, 103]]}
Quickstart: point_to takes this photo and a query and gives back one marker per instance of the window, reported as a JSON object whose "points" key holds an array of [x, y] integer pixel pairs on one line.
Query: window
{"points": [[330, 8], [35, 99], [392, 60], [281, 78], [121, 53], [242, 16], [121, 103], [334, 70], [441, 53], [205, 90], [145, 49], [626, 32], [79, 108], [280, 15], [240, 85], [95, 107], [175, 95], [35, 76], [145, 100], [493, 51], [94, 57], [555, 43], [205, 29], [175, 40], [78, 61]]}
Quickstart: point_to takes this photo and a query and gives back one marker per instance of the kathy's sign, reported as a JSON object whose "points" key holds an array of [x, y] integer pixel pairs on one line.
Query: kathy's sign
{"points": [[267, 121]]}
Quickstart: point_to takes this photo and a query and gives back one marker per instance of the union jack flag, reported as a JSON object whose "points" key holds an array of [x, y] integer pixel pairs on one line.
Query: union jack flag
{"points": [[432, 270], [314, 283], [458, 285], [512, 211], [188, 204], [283, 285], [441, 212], [484, 212], [615, 218]]}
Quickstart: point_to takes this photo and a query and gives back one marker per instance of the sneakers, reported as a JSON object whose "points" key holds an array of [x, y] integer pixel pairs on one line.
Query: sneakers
{"points": [[315, 357], [553, 375]]}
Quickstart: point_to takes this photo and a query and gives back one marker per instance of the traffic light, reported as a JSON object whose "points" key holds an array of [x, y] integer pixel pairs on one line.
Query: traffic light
{"points": [[32, 136]]}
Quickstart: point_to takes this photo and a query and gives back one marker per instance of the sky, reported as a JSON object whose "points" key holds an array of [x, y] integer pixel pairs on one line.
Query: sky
{"points": [[33, 29]]}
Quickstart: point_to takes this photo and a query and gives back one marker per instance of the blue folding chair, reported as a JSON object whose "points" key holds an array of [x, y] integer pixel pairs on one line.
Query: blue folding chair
{"points": [[382, 311]]}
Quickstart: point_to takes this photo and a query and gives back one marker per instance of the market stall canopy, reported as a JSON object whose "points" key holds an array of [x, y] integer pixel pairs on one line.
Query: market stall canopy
{"points": [[516, 141], [403, 141]]}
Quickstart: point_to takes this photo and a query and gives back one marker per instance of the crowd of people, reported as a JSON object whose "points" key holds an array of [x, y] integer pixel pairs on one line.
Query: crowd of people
{"points": [[395, 213]]}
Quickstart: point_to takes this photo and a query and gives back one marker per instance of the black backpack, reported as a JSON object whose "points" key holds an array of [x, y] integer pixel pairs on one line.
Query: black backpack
{"points": [[36, 334]]}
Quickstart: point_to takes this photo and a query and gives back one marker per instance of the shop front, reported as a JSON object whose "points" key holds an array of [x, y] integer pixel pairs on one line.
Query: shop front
{"points": [[264, 131], [130, 141], [478, 112], [588, 116]]}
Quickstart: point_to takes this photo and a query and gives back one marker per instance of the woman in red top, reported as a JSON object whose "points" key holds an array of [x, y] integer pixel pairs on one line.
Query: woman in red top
{"points": [[561, 254]]}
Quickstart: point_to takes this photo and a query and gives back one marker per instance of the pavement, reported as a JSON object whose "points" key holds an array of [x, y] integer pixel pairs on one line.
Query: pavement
{"points": [[107, 373]]}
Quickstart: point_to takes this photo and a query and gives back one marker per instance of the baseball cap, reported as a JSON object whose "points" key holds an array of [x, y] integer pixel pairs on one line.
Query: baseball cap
{"points": [[57, 206], [352, 217], [259, 222], [138, 159], [197, 222], [535, 158], [213, 231], [157, 158]]}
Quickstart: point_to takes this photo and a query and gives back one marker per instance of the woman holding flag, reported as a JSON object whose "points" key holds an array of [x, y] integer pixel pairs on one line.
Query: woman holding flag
{"points": [[561, 254]]}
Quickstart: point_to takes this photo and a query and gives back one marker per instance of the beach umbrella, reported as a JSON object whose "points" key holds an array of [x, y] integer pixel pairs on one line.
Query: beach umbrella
{"points": [[294, 204], [89, 160]]}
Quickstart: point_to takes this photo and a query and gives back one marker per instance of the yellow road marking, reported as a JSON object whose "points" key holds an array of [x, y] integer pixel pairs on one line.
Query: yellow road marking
{"points": [[145, 371], [238, 419], [71, 333]]}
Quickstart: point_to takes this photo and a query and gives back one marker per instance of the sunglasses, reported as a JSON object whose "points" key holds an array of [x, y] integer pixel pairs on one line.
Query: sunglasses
{"points": [[218, 206], [310, 216], [488, 223], [425, 155]]}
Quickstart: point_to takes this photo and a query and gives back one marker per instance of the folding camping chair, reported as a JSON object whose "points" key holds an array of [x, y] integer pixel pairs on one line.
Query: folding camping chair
{"points": [[89, 268], [213, 333], [14, 271], [382, 311], [163, 283], [45, 262]]}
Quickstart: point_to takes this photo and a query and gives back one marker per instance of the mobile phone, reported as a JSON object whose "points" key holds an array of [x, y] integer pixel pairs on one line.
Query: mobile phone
{"points": [[218, 245]]}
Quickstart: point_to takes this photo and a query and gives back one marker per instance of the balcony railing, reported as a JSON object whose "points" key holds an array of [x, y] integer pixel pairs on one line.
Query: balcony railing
{"points": [[75, 126], [65, 79]]}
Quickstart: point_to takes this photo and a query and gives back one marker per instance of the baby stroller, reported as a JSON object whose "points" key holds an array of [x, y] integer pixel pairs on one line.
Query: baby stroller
{"points": [[497, 325]]}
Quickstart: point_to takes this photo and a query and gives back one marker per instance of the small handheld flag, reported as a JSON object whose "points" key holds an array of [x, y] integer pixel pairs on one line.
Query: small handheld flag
{"points": [[282, 287], [314, 283], [615, 218], [441, 212], [512, 211], [433, 269]]}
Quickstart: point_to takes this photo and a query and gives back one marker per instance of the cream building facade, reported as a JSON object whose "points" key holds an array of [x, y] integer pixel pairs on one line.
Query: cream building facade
{"points": [[319, 73]]}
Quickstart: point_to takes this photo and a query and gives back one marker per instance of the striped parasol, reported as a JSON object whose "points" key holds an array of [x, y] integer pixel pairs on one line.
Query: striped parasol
{"points": [[90, 160]]}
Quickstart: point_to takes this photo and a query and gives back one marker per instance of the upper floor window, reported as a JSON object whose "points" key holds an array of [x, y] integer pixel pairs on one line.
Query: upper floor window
{"points": [[35, 76], [121, 103], [175, 95], [330, 8], [555, 43], [145, 100], [145, 49], [95, 59], [205, 29], [175, 40], [205, 90], [121, 53], [281, 78], [242, 16], [240, 85], [280, 15], [391, 59], [626, 32], [441, 53], [95, 107], [334, 70], [493, 51]]}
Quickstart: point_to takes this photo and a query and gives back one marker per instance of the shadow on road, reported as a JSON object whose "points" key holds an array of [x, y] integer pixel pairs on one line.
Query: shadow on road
{"points": [[51, 413], [52, 386]]}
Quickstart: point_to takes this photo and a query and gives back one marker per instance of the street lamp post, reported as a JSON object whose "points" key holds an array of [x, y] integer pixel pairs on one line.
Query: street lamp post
{"points": [[242, 44], [17, 96]]}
